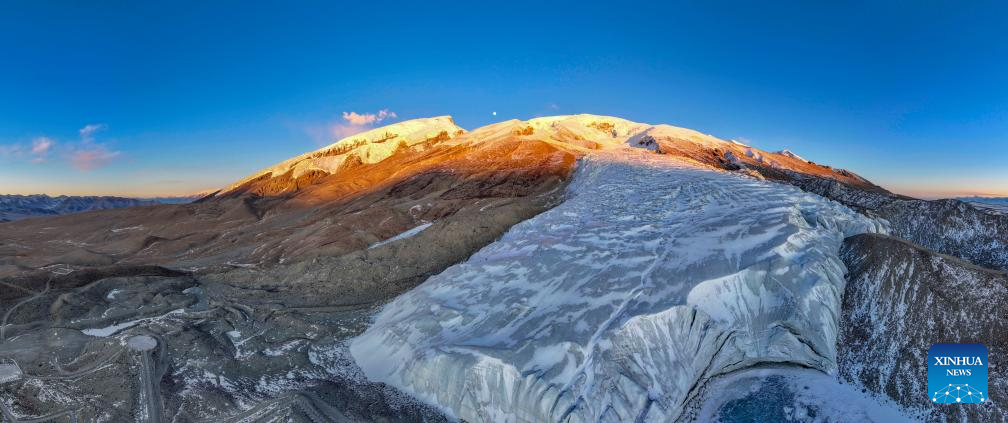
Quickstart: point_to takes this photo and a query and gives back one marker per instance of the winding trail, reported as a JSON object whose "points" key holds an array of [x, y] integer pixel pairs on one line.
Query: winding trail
{"points": [[3, 324], [71, 416]]}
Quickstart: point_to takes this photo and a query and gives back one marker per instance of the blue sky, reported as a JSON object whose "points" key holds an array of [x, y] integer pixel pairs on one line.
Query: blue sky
{"points": [[184, 96]]}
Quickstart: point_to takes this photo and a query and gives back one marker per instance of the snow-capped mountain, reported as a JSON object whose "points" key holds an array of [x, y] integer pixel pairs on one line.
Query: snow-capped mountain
{"points": [[367, 147], [997, 204], [14, 207], [578, 134], [566, 268]]}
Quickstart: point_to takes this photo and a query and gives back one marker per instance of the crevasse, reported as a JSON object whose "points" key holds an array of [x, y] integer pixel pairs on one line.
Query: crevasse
{"points": [[653, 276]]}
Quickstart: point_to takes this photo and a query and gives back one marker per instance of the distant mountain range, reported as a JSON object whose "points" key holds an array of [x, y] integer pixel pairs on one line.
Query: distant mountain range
{"points": [[15, 207], [998, 204]]}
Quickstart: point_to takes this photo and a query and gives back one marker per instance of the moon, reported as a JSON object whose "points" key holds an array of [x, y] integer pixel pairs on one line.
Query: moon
{"points": [[495, 113]]}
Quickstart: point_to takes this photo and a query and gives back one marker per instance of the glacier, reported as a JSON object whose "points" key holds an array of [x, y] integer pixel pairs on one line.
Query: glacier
{"points": [[652, 277]]}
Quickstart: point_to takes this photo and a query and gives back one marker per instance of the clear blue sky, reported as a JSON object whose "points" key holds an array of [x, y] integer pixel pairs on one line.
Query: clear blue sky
{"points": [[192, 95]]}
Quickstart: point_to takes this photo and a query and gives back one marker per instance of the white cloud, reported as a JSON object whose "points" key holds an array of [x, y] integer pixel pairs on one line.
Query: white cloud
{"points": [[359, 122], [40, 149], [358, 119], [88, 131], [42, 145]]}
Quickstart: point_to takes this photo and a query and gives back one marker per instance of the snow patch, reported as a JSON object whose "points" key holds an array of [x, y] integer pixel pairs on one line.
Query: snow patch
{"points": [[406, 234], [792, 155]]}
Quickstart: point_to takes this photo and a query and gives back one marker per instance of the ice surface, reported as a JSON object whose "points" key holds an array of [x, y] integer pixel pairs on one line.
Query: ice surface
{"points": [[116, 328], [793, 395], [9, 372], [141, 343], [616, 305]]}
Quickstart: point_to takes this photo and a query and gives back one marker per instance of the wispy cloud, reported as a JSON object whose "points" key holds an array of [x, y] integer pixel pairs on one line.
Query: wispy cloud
{"points": [[368, 118], [354, 122], [339, 130], [42, 145], [11, 151], [36, 152], [84, 154], [88, 131], [40, 149], [90, 156]]}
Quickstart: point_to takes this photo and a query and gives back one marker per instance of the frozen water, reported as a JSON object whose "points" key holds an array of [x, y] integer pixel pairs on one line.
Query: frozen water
{"points": [[793, 395], [116, 328], [651, 277], [9, 372], [141, 343]]}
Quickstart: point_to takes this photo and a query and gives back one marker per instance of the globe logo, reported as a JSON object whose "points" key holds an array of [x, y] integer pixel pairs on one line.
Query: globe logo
{"points": [[957, 373]]}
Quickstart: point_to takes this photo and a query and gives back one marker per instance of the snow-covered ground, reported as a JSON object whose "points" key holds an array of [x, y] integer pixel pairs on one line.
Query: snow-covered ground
{"points": [[370, 146], [618, 304]]}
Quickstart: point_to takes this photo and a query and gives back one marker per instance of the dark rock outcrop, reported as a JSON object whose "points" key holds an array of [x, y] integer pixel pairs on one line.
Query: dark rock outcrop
{"points": [[951, 227]]}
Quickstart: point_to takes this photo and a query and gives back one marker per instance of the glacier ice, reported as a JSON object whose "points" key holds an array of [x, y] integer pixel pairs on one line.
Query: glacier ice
{"points": [[652, 277]]}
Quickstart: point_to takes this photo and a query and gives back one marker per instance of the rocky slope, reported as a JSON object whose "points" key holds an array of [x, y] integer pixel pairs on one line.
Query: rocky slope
{"points": [[952, 227], [899, 300]]}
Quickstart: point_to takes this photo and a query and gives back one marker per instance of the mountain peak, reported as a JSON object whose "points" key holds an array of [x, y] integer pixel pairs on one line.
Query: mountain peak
{"points": [[575, 134], [791, 154], [370, 146]]}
